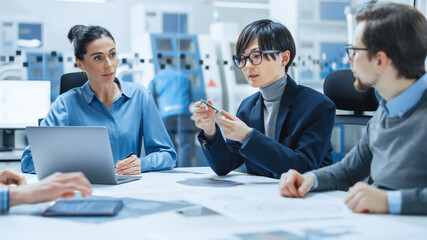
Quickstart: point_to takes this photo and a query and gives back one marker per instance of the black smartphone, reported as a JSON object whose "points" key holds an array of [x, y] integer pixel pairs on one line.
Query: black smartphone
{"points": [[217, 112], [85, 207]]}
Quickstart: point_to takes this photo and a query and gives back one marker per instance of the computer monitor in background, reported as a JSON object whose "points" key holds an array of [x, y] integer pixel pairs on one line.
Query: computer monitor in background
{"points": [[22, 103]]}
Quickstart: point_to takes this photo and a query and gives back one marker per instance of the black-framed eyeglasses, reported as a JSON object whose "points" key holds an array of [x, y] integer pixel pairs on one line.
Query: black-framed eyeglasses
{"points": [[255, 57], [352, 50]]}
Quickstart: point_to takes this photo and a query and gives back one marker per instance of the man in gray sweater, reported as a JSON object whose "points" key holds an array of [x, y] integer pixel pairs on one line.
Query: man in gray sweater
{"points": [[388, 52]]}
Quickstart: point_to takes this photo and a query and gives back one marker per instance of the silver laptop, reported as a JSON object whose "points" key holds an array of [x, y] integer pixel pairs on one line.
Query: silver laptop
{"points": [[75, 149]]}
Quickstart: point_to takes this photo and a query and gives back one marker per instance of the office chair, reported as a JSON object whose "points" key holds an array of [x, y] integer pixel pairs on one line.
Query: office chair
{"points": [[338, 86], [71, 80]]}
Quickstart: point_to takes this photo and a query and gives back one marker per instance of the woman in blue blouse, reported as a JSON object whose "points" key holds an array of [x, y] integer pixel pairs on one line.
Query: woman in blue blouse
{"points": [[126, 109]]}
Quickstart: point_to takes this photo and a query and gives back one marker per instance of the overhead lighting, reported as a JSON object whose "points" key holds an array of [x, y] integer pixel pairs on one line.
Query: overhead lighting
{"points": [[240, 5], [84, 1]]}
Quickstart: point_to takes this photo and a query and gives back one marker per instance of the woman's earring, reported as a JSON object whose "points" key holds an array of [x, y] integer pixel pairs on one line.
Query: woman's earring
{"points": [[83, 72]]}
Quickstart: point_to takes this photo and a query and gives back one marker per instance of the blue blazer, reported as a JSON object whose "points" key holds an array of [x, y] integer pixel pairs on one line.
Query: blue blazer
{"points": [[303, 132]]}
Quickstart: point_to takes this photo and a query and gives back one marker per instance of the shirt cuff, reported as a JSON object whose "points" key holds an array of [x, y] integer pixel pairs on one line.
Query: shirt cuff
{"points": [[316, 182], [394, 199], [246, 139], [210, 139], [4, 200]]}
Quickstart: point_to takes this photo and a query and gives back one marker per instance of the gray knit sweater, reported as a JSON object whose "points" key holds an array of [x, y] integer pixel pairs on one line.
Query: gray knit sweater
{"points": [[393, 151]]}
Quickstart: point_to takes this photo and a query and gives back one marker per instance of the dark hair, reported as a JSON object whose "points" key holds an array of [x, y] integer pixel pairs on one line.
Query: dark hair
{"points": [[80, 36], [271, 36], [398, 30]]}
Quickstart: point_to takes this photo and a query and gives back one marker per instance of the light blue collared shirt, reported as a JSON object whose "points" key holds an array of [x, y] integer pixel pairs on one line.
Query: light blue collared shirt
{"points": [[4, 199], [401, 104], [133, 120], [397, 107]]}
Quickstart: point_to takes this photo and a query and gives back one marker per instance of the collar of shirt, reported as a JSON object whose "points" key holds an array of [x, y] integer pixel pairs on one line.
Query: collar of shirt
{"points": [[401, 104], [274, 91], [89, 95]]}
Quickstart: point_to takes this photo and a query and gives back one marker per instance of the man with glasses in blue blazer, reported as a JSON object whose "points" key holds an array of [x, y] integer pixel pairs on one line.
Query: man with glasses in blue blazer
{"points": [[283, 126]]}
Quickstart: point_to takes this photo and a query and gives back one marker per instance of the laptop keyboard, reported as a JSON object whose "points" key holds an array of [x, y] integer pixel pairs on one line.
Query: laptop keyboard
{"points": [[127, 178]]}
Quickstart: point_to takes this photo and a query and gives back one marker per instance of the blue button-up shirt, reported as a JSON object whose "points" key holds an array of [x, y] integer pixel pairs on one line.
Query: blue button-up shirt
{"points": [[401, 104], [397, 107], [133, 121]]}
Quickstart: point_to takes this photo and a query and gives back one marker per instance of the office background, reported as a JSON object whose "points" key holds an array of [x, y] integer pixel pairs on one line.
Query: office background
{"points": [[197, 36]]}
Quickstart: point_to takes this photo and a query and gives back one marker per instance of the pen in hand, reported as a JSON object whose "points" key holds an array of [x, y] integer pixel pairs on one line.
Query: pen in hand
{"points": [[130, 154], [217, 112]]}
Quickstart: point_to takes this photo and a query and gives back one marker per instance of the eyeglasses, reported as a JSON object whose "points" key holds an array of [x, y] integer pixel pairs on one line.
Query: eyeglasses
{"points": [[255, 57], [352, 50]]}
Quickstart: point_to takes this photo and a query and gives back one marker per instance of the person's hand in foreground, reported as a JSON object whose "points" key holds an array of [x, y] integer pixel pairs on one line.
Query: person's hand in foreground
{"points": [[57, 185], [11, 177], [364, 198], [295, 184], [361, 198]]}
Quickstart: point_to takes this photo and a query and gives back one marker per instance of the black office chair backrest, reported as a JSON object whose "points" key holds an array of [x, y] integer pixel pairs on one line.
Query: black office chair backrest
{"points": [[69, 81], [338, 86], [72, 80]]}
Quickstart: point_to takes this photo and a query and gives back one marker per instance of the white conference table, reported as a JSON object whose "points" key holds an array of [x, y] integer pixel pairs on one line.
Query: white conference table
{"points": [[158, 207]]}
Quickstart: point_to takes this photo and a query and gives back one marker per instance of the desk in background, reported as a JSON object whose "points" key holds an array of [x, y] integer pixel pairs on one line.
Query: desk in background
{"points": [[11, 155], [252, 209], [12, 144]]}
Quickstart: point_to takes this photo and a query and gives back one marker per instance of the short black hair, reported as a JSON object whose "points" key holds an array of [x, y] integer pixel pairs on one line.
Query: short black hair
{"points": [[400, 31], [271, 35], [80, 36]]}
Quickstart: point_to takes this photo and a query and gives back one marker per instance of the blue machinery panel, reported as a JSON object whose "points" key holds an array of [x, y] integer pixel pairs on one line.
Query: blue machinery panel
{"points": [[183, 49], [174, 23], [30, 35], [332, 55], [46, 66], [333, 10]]}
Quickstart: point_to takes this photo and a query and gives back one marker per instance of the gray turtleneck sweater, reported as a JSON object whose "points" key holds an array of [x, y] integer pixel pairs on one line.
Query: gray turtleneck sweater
{"points": [[271, 98], [271, 95]]}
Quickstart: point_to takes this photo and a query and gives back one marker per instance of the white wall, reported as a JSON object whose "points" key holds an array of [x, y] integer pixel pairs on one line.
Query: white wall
{"points": [[58, 17]]}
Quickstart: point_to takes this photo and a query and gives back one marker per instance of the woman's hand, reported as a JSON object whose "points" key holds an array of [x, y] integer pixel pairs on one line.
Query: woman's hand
{"points": [[129, 166]]}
